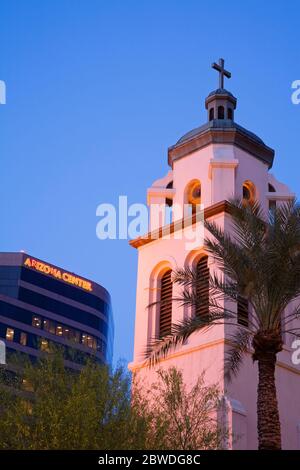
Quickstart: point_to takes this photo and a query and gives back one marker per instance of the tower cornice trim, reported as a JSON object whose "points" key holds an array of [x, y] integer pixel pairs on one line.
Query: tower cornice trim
{"points": [[227, 136], [215, 209]]}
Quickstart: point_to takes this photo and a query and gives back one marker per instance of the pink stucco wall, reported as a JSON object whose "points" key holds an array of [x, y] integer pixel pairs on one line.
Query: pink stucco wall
{"points": [[221, 169]]}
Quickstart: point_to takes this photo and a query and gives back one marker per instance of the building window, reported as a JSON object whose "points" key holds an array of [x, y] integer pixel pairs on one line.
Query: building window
{"points": [[75, 336], [221, 112], [193, 197], [211, 114], [10, 334], [59, 330], [169, 204], [242, 311], [44, 345], [101, 347], [65, 332], [165, 311], [229, 113], [246, 193], [202, 287], [36, 322], [249, 193], [271, 188], [49, 326], [84, 339], [90, 341], [23, 338]]}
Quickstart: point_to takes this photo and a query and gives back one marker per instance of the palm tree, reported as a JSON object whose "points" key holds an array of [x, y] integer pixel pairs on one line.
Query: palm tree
{"points": [[260, 262]]}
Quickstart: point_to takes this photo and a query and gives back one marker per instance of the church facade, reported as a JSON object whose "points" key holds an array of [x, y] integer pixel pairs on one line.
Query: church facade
{"points": [[209, 165]]}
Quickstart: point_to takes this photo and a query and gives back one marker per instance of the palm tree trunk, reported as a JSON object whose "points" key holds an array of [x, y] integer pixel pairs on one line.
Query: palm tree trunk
{"points": [[268, 423]]}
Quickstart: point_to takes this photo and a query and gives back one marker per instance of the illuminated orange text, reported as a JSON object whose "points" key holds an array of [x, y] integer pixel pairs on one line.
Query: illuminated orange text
{"points": [[58, 274]]}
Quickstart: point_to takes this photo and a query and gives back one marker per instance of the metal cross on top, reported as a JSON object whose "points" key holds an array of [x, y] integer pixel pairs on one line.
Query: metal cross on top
{"points": [[222, 72]]}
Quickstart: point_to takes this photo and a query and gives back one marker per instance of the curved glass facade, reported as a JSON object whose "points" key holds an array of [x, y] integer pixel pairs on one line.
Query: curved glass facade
{"points": [[42, 304]]}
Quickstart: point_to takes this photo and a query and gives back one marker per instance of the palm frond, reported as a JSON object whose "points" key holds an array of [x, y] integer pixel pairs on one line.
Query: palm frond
{"points": [[159, 348], [240, 344], [185, 277]]}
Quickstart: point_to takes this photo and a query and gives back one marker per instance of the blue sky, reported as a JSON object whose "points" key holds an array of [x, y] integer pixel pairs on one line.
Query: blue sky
{"points": [[98, 90]]}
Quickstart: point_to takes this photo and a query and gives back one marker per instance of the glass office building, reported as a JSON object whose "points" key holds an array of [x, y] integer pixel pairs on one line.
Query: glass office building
{"points": [[42, 304]]}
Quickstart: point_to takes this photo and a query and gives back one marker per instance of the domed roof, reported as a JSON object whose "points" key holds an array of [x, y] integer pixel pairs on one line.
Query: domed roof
{"points": [[221, 91], [221, 131], [221, 124]]}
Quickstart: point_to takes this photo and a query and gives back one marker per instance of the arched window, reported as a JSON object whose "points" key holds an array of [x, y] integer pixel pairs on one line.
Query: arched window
{"points": [[221, 112], [169, 205], [242, 311], [249, 193], [202, 287], [229, 113], [193, 197], [169, 202], [165, 311], [211, 114]]}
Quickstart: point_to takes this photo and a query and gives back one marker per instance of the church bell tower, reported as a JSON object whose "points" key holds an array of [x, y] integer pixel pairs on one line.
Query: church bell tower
{"points": [[208, 165]]}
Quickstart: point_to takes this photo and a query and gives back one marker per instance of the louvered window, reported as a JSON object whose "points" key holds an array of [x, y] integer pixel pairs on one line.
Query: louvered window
{"points": [[202, 287], [242, 311], [165, 316]]}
